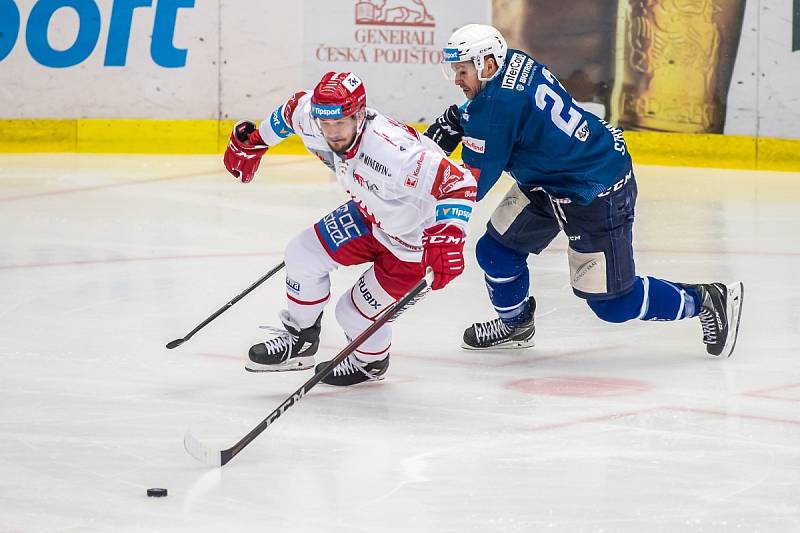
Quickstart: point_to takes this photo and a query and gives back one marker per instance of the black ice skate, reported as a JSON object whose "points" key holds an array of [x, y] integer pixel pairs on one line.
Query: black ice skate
{"points": [[719, 315], [353, 370], [496, 334], [291, 349]]}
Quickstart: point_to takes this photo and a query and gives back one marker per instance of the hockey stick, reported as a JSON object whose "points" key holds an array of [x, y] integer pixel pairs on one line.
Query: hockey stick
{"points": [[217, 457], [248, 290]]}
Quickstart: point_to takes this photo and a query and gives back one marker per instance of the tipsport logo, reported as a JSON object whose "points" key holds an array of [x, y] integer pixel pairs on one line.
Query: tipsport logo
{"points": [[279, 125], [90, 20], [451, 54], [460, 212], [326, 111]]}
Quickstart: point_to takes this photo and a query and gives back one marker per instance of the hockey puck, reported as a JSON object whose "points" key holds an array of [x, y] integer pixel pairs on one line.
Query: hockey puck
{"points": [[157, 493]]}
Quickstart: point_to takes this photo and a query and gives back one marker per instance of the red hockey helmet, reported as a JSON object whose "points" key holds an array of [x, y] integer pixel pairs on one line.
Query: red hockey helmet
{"points": [[338, 95]]}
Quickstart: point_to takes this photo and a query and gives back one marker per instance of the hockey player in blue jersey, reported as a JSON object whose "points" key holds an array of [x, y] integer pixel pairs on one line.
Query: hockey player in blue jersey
{"points": [[572, 173]]}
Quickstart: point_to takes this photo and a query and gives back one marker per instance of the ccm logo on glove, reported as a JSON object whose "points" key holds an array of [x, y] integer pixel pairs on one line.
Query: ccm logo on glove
{"points": [[443, 239], [443, 251]]}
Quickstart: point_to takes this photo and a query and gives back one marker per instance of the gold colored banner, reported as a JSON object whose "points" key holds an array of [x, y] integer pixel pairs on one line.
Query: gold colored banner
{"points": [[658, 65], [677, 63]]}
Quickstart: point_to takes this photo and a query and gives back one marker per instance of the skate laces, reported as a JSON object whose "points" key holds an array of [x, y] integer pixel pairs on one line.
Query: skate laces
{"points": [[491, 331], [709, 323], [710, 318], [283, 340], [351, 365]]}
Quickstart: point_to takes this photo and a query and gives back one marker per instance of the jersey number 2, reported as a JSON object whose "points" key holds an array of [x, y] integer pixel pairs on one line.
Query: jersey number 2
{"points": [[545, 93]]}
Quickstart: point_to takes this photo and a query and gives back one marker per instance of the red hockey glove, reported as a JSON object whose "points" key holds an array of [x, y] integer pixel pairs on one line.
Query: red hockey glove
{"points": [[244, 151], [443, 251]]}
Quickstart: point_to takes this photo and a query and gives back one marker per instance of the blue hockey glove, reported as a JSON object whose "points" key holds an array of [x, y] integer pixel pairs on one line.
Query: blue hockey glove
{"points": [[446, 130]]}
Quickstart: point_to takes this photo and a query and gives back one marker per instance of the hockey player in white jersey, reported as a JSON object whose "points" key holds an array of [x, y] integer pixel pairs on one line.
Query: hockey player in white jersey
{"points": [[409, 209]]}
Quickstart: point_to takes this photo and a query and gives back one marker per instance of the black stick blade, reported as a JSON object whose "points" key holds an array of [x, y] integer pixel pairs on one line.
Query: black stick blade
{"points": [[175, 343]]}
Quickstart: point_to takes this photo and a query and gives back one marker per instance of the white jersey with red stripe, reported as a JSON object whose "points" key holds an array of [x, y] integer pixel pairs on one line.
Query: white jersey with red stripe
{"points": [[401, 181]]}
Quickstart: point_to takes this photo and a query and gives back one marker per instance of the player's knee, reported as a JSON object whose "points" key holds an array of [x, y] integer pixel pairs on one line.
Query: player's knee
{"points": [[620, 308], [347, 316], [497, 260], [363, 303]]}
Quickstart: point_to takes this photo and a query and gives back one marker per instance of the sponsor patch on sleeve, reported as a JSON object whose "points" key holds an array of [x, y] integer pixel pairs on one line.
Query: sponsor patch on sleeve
{"points": [[583, 132], [476, 145], [279, 125], [447, 177], [512, 71], [451, 211]]}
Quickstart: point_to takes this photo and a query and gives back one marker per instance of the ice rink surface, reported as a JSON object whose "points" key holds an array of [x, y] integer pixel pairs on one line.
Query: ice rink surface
{"points": [[599, 428]]}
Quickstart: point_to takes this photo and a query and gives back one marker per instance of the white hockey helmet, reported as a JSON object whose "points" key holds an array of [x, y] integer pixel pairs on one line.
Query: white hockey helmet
{"points": [[474, 42]]}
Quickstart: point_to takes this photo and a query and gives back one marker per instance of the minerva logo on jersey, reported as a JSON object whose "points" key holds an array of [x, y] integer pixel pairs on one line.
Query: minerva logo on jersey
{"points": [[377, 166]]}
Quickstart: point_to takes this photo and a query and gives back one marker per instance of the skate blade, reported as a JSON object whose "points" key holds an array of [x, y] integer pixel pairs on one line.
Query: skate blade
{"points": [[297, 363], [735, 300], [516, 345], [366, 382]]}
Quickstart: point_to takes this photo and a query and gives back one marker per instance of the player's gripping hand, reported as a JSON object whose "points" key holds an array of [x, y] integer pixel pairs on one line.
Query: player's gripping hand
{"points": [[443, 251], [244, 151], [446, 130]]}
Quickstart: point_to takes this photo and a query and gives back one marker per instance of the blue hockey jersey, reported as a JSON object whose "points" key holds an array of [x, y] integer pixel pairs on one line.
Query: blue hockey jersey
{"points": [[526, 123]]}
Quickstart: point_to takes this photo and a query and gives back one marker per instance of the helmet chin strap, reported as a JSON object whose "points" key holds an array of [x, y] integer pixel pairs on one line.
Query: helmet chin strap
{"points": [[359, 131], [357, 136], [480, 65]]}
